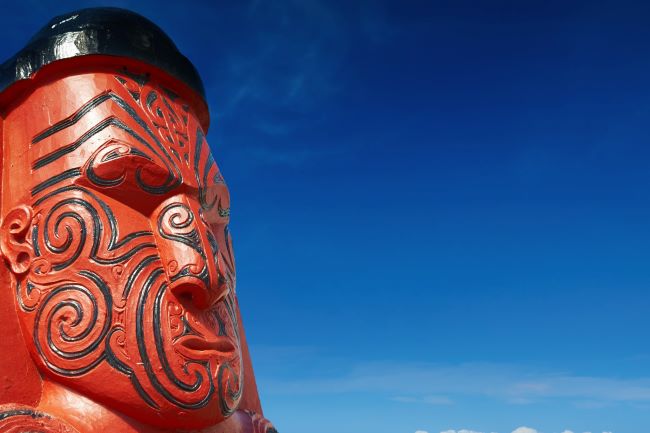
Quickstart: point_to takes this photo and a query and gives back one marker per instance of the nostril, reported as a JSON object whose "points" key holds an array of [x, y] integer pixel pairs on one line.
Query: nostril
{"points": [[185, 297], [189, 293]]}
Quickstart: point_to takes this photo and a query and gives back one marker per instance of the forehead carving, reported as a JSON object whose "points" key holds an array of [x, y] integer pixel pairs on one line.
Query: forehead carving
{"points": [[135, 132]]}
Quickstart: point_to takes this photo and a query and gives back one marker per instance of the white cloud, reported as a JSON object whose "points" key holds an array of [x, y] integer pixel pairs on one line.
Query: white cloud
{"points": [[509, 383], [421, 431], [525, 430], [460, 431], [437, 399], [568, 431], [428, 399]]}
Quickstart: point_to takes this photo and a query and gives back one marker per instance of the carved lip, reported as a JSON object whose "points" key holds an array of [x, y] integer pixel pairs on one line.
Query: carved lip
{"points": [[197, 346]]}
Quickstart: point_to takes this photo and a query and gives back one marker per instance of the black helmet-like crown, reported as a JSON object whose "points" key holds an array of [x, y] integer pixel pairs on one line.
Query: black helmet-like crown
{"points": [[106, 31]]}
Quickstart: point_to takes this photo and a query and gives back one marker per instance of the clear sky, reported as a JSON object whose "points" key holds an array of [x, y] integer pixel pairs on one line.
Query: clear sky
{"points": [[441, 209]]}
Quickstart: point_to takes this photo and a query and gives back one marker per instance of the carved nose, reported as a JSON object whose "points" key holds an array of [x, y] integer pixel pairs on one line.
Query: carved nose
{"points": [[190, 293], [187, 252]]}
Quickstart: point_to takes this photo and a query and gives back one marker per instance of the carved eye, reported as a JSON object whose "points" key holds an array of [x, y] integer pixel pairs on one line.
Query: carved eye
{"points": [[125, 172], [215, 201], [112, 164]]}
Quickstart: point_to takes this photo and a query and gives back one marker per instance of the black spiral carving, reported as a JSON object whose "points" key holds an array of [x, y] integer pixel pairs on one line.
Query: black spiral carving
{"points": [[70, 324], [176, 223], [71, 220]]}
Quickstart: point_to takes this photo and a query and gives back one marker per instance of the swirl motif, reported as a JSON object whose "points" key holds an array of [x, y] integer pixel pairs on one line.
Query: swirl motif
{"points": [[21, 419], [176, 223], [71, 220], [76, 319]]}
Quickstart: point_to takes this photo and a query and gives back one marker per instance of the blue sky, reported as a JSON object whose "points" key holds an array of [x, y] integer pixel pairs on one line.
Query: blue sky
{"points": [[441, 209]]}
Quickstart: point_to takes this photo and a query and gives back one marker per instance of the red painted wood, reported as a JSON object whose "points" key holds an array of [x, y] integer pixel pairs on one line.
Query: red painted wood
{"points": [[120, 312]]}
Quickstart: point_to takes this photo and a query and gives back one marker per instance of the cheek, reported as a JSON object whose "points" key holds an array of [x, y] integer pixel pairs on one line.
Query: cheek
{"points": [[229, 378], [80, 229], [67, 323], [87, 248]]}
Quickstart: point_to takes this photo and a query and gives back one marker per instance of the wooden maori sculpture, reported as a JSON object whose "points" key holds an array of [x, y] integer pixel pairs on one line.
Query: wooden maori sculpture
{"points": [[119, 312]]}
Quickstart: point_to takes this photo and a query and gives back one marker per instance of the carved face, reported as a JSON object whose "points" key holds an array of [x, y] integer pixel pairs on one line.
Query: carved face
{"points": [[118, 239]]}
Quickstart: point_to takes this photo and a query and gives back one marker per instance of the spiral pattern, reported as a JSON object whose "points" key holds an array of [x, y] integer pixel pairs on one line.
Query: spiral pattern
{"points": [[76, 318]]}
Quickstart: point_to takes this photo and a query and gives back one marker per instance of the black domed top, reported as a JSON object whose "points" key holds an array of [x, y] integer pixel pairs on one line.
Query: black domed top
{"points": [[108, 31]]}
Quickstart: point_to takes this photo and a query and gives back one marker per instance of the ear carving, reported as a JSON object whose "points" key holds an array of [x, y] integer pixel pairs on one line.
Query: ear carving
{"points": [[14, 243]]}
